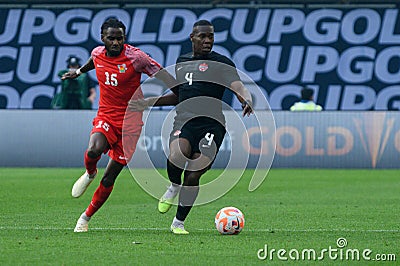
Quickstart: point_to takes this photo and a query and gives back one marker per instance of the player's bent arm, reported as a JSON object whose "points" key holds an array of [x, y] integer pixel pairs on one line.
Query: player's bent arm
{"points": [[244, 96], [89, 65], [167, 78], [168, 99], [142, 104], [74, 73]]}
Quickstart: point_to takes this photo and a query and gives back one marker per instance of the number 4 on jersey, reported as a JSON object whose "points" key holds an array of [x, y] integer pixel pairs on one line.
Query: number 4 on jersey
{"points": [[189, 77], [209, 138]]}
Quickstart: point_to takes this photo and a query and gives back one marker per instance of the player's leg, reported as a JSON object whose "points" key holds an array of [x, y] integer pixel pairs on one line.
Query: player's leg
{"points": [[97, 145], [202, 159], [101, 194], [118, 159], [180, 150], [187, 195], [105, 187]]}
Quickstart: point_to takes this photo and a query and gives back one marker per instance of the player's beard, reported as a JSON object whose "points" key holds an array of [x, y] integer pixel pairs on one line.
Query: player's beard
{"points": [[111, 52]]}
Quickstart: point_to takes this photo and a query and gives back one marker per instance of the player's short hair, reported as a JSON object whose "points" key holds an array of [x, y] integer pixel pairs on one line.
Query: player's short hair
{"points": [[307, 93], [112, 23], [202, 22]]}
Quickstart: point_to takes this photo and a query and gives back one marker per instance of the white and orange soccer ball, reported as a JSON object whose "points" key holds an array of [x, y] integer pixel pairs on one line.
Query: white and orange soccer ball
{"points": [[229, 221]]}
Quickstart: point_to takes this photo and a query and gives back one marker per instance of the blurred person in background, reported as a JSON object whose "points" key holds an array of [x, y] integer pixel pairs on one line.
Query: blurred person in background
{"points": [[79, 93], [306, 102]]}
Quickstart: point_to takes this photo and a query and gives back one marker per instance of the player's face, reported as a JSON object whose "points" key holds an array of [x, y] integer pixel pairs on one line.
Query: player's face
{"points": [[202, 39], [113, 39]]}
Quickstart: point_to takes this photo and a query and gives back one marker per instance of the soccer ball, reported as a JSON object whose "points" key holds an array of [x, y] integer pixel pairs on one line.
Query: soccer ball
{"points": [[229, 221]]}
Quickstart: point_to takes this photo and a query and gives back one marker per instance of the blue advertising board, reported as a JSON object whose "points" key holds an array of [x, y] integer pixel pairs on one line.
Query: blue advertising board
{"points": [[349, 56]]}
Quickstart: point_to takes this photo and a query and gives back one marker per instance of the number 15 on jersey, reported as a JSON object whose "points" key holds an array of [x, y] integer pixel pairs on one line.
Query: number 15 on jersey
{"points": [[111, 79]]}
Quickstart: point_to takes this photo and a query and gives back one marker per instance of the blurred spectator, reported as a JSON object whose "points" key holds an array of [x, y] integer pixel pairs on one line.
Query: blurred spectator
{"points": [[306, 102], [78, 93]]}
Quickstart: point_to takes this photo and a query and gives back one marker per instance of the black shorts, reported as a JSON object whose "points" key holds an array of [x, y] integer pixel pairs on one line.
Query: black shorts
{"points": [[204, 137]]}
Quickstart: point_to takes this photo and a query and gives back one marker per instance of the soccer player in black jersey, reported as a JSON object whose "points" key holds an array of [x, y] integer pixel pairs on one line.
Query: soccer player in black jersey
{"points": [[199, 126]]}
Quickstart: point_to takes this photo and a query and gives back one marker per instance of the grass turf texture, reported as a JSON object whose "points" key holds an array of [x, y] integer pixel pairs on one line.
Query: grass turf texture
{"points": [[292, 209]]}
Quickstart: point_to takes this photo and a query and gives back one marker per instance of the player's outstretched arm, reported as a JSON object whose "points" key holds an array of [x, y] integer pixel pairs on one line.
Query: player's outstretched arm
{"points": [[74, 73], [167, 78], [163, 100], [142, 104], [244, 96]]}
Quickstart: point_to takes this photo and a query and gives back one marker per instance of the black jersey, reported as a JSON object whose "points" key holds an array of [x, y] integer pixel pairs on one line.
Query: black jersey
{"points": [[200, 77]]}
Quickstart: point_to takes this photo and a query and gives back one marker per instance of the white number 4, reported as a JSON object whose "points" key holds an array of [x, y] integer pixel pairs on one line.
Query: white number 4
{"points": [[209, 137], [189, 77], [113, 78]]}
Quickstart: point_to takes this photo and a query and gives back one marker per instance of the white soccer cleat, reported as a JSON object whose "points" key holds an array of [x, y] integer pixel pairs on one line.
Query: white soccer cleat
{"points": [[82, 184], [178, 230], [81, 225]]}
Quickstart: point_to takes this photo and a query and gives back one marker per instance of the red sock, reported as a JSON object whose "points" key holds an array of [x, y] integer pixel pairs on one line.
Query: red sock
{"points": [[91, 163], [99, 197]]}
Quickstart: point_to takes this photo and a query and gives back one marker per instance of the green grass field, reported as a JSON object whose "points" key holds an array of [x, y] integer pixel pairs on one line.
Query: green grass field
{"points": [[292, 210]]}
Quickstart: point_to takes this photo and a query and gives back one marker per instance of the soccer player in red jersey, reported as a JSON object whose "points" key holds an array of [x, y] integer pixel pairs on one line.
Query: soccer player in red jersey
{"points": [[118, 68]]}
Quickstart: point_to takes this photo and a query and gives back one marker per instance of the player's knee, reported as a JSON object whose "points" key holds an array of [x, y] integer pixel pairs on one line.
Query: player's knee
{"points": [[192, 179], [97, 145], [94, 150], [93, 153], [191, 182]]}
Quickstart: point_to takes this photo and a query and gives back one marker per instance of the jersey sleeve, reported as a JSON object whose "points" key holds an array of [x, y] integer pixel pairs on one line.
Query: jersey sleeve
{"points": [[175, 89], [230, 72], [143, 63], [150, 66], [97, 51]]}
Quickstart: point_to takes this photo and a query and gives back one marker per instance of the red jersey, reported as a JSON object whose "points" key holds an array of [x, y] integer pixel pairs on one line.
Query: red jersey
{"points": [[119, 78]]}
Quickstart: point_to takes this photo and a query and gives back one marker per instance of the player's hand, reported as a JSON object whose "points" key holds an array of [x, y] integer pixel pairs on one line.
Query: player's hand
{"points": [[91, 98], [247, 108], [70, 75], [138, 105]]}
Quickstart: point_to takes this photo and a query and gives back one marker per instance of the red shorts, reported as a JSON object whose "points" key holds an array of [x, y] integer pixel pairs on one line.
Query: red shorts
{"points": [[122, 146]]}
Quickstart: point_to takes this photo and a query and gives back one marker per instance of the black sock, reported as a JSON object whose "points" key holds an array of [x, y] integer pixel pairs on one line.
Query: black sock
{"points": [[187, 197]]}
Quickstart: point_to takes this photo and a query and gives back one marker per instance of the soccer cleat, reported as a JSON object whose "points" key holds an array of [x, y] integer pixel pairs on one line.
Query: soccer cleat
{"points": [[81, 225], [164, 204], [82, 184], [177, 230]]}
